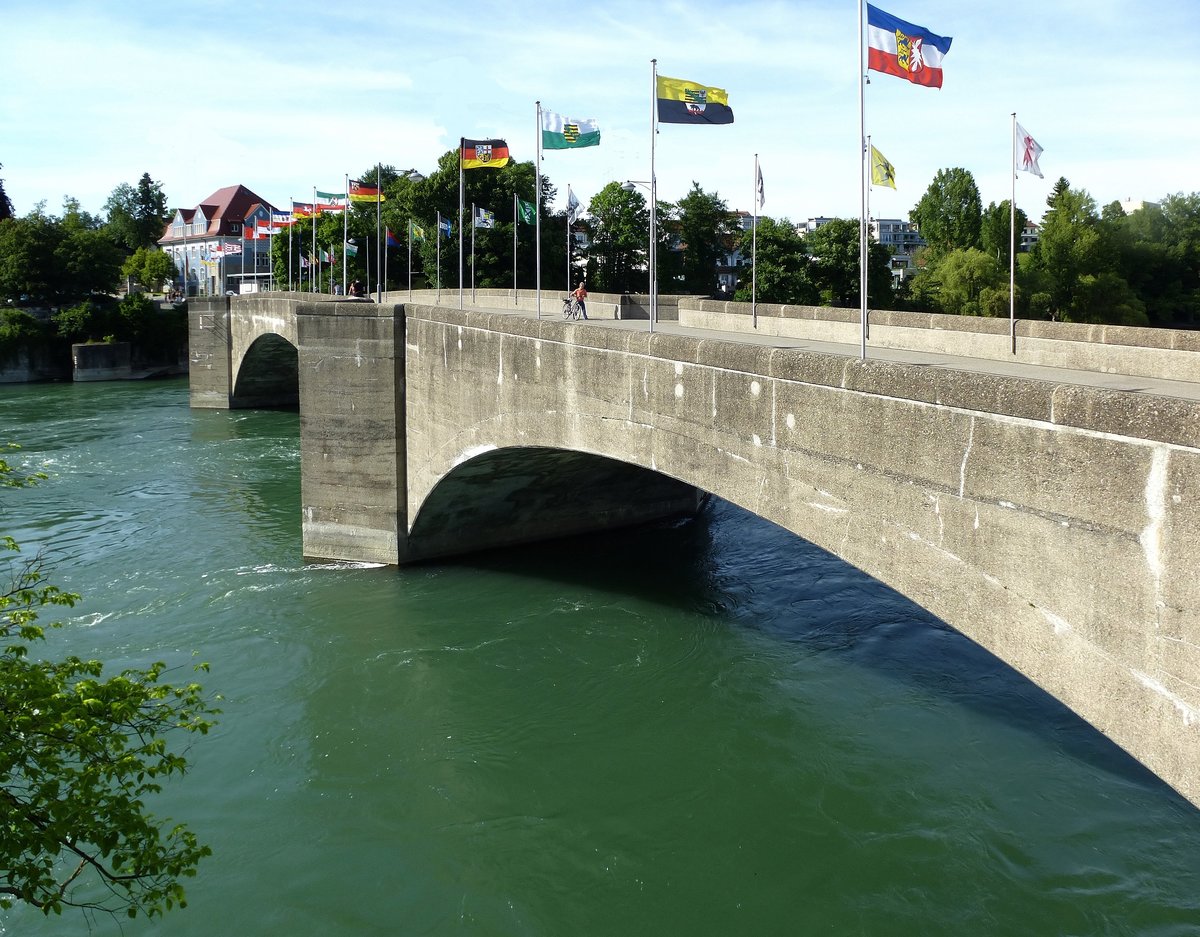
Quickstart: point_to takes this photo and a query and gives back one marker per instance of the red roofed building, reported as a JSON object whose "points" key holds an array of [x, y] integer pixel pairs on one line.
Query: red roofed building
{"points": [[209, 246]]}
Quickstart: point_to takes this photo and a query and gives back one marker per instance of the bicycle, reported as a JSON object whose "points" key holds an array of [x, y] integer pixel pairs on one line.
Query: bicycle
{"points": [[571, 308]]}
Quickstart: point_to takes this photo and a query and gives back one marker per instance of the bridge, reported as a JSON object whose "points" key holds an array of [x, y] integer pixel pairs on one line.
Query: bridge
{"points": [[1044, 503]]}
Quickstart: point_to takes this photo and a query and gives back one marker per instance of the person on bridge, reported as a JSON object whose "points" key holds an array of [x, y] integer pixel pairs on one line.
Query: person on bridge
{"points": [[580, 295]]}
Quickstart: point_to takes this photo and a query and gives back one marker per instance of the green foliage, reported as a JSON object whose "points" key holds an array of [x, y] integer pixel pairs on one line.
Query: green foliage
{"points": [[834, 247], [620, 241], [784, 271], [999, 235], [6, 207], [705, 230], [949, 214], [963, 282], [19, 329], [81, 753], [137, 214], [150, 267], [88, 321]]}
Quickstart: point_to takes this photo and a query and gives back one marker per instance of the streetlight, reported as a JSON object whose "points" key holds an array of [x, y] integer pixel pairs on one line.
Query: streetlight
{"points": [[628, 186]]}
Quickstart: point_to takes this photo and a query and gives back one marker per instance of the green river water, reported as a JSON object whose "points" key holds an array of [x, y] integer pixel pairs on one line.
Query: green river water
{"points": [[708, 728]]}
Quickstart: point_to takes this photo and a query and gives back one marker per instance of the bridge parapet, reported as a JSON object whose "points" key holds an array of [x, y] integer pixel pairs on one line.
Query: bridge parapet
{"points": [[1172, 354]]}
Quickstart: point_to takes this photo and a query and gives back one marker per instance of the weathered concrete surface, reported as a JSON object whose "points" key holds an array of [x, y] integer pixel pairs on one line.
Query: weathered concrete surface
{"points": [[1058, 526], [1107, 349], [210, 372], [352, 445], [101, 361]]}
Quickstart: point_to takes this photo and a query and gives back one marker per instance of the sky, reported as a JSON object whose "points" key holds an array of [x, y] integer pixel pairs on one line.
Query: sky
{"points": [[284, 97]]}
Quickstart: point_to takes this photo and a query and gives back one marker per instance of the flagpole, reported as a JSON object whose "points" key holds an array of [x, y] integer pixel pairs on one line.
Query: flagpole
{"points": [[439, 256], [409, 260], [313, 282], [514, 248], [862, 182], [653, 195], [472, 253], [291, 224], [569, 214], [378, 222], [345, 230], [461, 144], [1012, 238], [537, 199], [754, 249]]}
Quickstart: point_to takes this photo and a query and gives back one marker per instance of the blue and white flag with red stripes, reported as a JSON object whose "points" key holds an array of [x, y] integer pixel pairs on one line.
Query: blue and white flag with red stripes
{"points": [[895, 47]]}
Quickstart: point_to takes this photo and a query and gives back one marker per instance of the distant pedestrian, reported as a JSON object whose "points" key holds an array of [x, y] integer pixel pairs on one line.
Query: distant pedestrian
{"points": [[580, 295]]}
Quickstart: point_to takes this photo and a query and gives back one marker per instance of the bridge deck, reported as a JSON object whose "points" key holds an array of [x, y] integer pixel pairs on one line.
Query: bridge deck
{"points": [[1183, 390]]}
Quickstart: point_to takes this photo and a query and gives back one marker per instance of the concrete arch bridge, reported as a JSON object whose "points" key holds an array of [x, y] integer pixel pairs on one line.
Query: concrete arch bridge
{"points": [[1045, 503]]}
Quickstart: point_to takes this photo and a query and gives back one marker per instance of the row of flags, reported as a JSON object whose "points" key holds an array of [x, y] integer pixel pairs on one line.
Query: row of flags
{"points": [[894, 47]]}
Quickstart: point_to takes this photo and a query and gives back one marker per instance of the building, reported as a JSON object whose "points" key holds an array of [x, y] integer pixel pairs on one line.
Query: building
{"points": [[216, 247], [902, 239]]}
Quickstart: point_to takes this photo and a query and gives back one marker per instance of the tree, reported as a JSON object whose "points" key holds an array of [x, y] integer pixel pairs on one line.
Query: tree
{"points": [[151, 268], [783, 269], [963, 282], [620, 240], [834, 247], [137, 215], [6, 206], [80, 754], [999, 235], [705, 229], [949, 213]]}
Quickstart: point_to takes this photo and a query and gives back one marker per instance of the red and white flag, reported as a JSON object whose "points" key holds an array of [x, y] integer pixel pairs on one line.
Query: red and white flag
{"points": [[1027, 153]]}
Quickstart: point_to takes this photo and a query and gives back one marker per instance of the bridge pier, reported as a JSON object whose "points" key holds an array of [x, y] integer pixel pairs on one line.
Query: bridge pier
{"points": [[352, 440]]}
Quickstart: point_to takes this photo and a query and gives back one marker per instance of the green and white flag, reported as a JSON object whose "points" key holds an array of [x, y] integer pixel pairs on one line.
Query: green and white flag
{"points": [[416, 232], [568, 133], [527, 210]]}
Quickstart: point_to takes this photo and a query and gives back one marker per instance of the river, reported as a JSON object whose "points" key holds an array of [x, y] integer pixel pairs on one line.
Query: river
{"points": [[706, 728]]}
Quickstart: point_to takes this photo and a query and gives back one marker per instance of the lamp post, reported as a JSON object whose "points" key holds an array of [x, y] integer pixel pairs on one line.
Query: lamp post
{"points": [[628, 186]]}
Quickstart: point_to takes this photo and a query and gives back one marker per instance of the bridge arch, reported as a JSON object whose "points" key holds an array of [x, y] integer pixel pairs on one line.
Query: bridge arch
{"points": [[1048, 523], [268, 374]]}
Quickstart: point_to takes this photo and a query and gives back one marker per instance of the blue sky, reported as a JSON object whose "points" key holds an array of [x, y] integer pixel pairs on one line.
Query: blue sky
{"points": [[282, 97]]}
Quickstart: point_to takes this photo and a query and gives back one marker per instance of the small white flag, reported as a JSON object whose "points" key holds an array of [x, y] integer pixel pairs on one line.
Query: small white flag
{"points": [[1028, 152], [574, 210], [484, 218], [762, 195]]}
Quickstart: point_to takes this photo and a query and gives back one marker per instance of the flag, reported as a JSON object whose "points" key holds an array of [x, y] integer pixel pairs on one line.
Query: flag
{"points": [[416, 232], [574, 209], [895, 47], [324, 257], [882, 172], [282, 218], [568, 133], [758, 187], [484, 154], [351, 250], [303, 260], [686, 102], [484, 218], [361, 192], [446, 227], [391, 239], [332, 196], [526, 211], [1028, 151], [302, 209]]}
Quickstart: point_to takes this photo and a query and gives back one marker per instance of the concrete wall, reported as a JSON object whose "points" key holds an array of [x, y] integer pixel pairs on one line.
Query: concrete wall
{"points": [[101, 361], [1163, 353], [1056, 525]]}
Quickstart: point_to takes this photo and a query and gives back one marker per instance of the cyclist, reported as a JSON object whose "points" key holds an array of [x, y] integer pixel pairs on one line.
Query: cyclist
{"points": [[580, 295]]}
